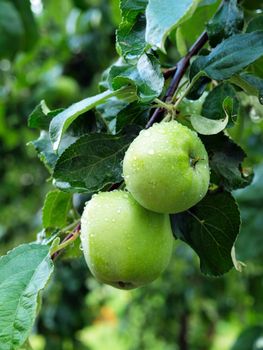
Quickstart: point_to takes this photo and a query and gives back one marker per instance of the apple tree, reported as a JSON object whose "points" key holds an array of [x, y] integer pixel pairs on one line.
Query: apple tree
{"points": [[192, 66]]}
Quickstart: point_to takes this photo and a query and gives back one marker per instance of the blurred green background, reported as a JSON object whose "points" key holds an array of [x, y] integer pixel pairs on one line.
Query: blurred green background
{"points": [[57, 50]]}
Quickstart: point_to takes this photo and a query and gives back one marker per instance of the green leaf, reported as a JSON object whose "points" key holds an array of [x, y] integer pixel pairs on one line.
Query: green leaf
{"points": [[29, 24], [211, 228], [205, 126], [24, 272], [256, 23], [180, 42], [45, 151], [225, 160], [146, 75], [248, 339], [39, 117], [43, 144], [194, 26], [11, 29], [231, 56], [250, 201], [228, 21], [162, 16], [213, 105], [135, 113], [61, 122], [253, 4], [55, 210], [131, 33], [92, 162], [250, 83]]}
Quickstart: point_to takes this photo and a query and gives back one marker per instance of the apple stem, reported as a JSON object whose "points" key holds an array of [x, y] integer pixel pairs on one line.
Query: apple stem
{"points": [[180, 70], [71, 237]]}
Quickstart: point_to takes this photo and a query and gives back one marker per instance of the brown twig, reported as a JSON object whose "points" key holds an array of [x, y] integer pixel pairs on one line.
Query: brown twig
{"points": [[180, 70]]}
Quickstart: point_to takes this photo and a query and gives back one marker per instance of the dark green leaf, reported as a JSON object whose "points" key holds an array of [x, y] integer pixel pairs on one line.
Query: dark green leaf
{"points": [[211, 228], [198, 89], [248, 339], [146, 75], [251, 84], [24, 272], [213, 105], [11, 29], [55, 210], [83, 125], [225, 159], [110, 109], [256, 23], [163, 16], [92, 162], [253, 4], [40, 118], [63, 120], [134, 113], [231, 56], [228, 21], [200, 84], [250, 201], [45, 151], [29, 24], [131, 33]]}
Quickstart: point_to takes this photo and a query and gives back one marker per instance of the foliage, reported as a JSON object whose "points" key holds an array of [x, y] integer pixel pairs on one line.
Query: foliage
{"points": [[84, 132]]}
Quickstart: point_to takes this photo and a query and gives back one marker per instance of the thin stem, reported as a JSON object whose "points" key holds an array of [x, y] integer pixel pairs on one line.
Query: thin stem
{"points": [[181, 68], [70, 226], [71, 237], [162, 104], [188, 89]]}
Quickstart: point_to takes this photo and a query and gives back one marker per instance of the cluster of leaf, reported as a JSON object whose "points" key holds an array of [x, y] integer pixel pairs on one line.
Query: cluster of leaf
{"points": [[83, 145]]}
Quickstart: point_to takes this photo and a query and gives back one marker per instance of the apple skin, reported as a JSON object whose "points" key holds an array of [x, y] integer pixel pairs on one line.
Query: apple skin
{"points": [[124, 244], [166, 168]]}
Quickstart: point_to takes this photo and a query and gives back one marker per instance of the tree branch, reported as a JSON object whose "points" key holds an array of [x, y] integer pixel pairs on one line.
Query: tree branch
{"points": [[180, 70]]}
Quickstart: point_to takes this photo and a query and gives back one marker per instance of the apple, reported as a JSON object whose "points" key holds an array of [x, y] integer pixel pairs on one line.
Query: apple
{"points": [[124, 244], [166, 168]]}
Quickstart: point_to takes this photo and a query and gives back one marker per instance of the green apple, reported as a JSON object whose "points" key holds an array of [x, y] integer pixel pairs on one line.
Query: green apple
{"points": [[166, 168], [124, 244]]}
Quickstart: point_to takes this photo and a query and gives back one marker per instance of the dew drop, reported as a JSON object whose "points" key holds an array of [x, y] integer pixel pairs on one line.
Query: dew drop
{"points": [[80, 247]]}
